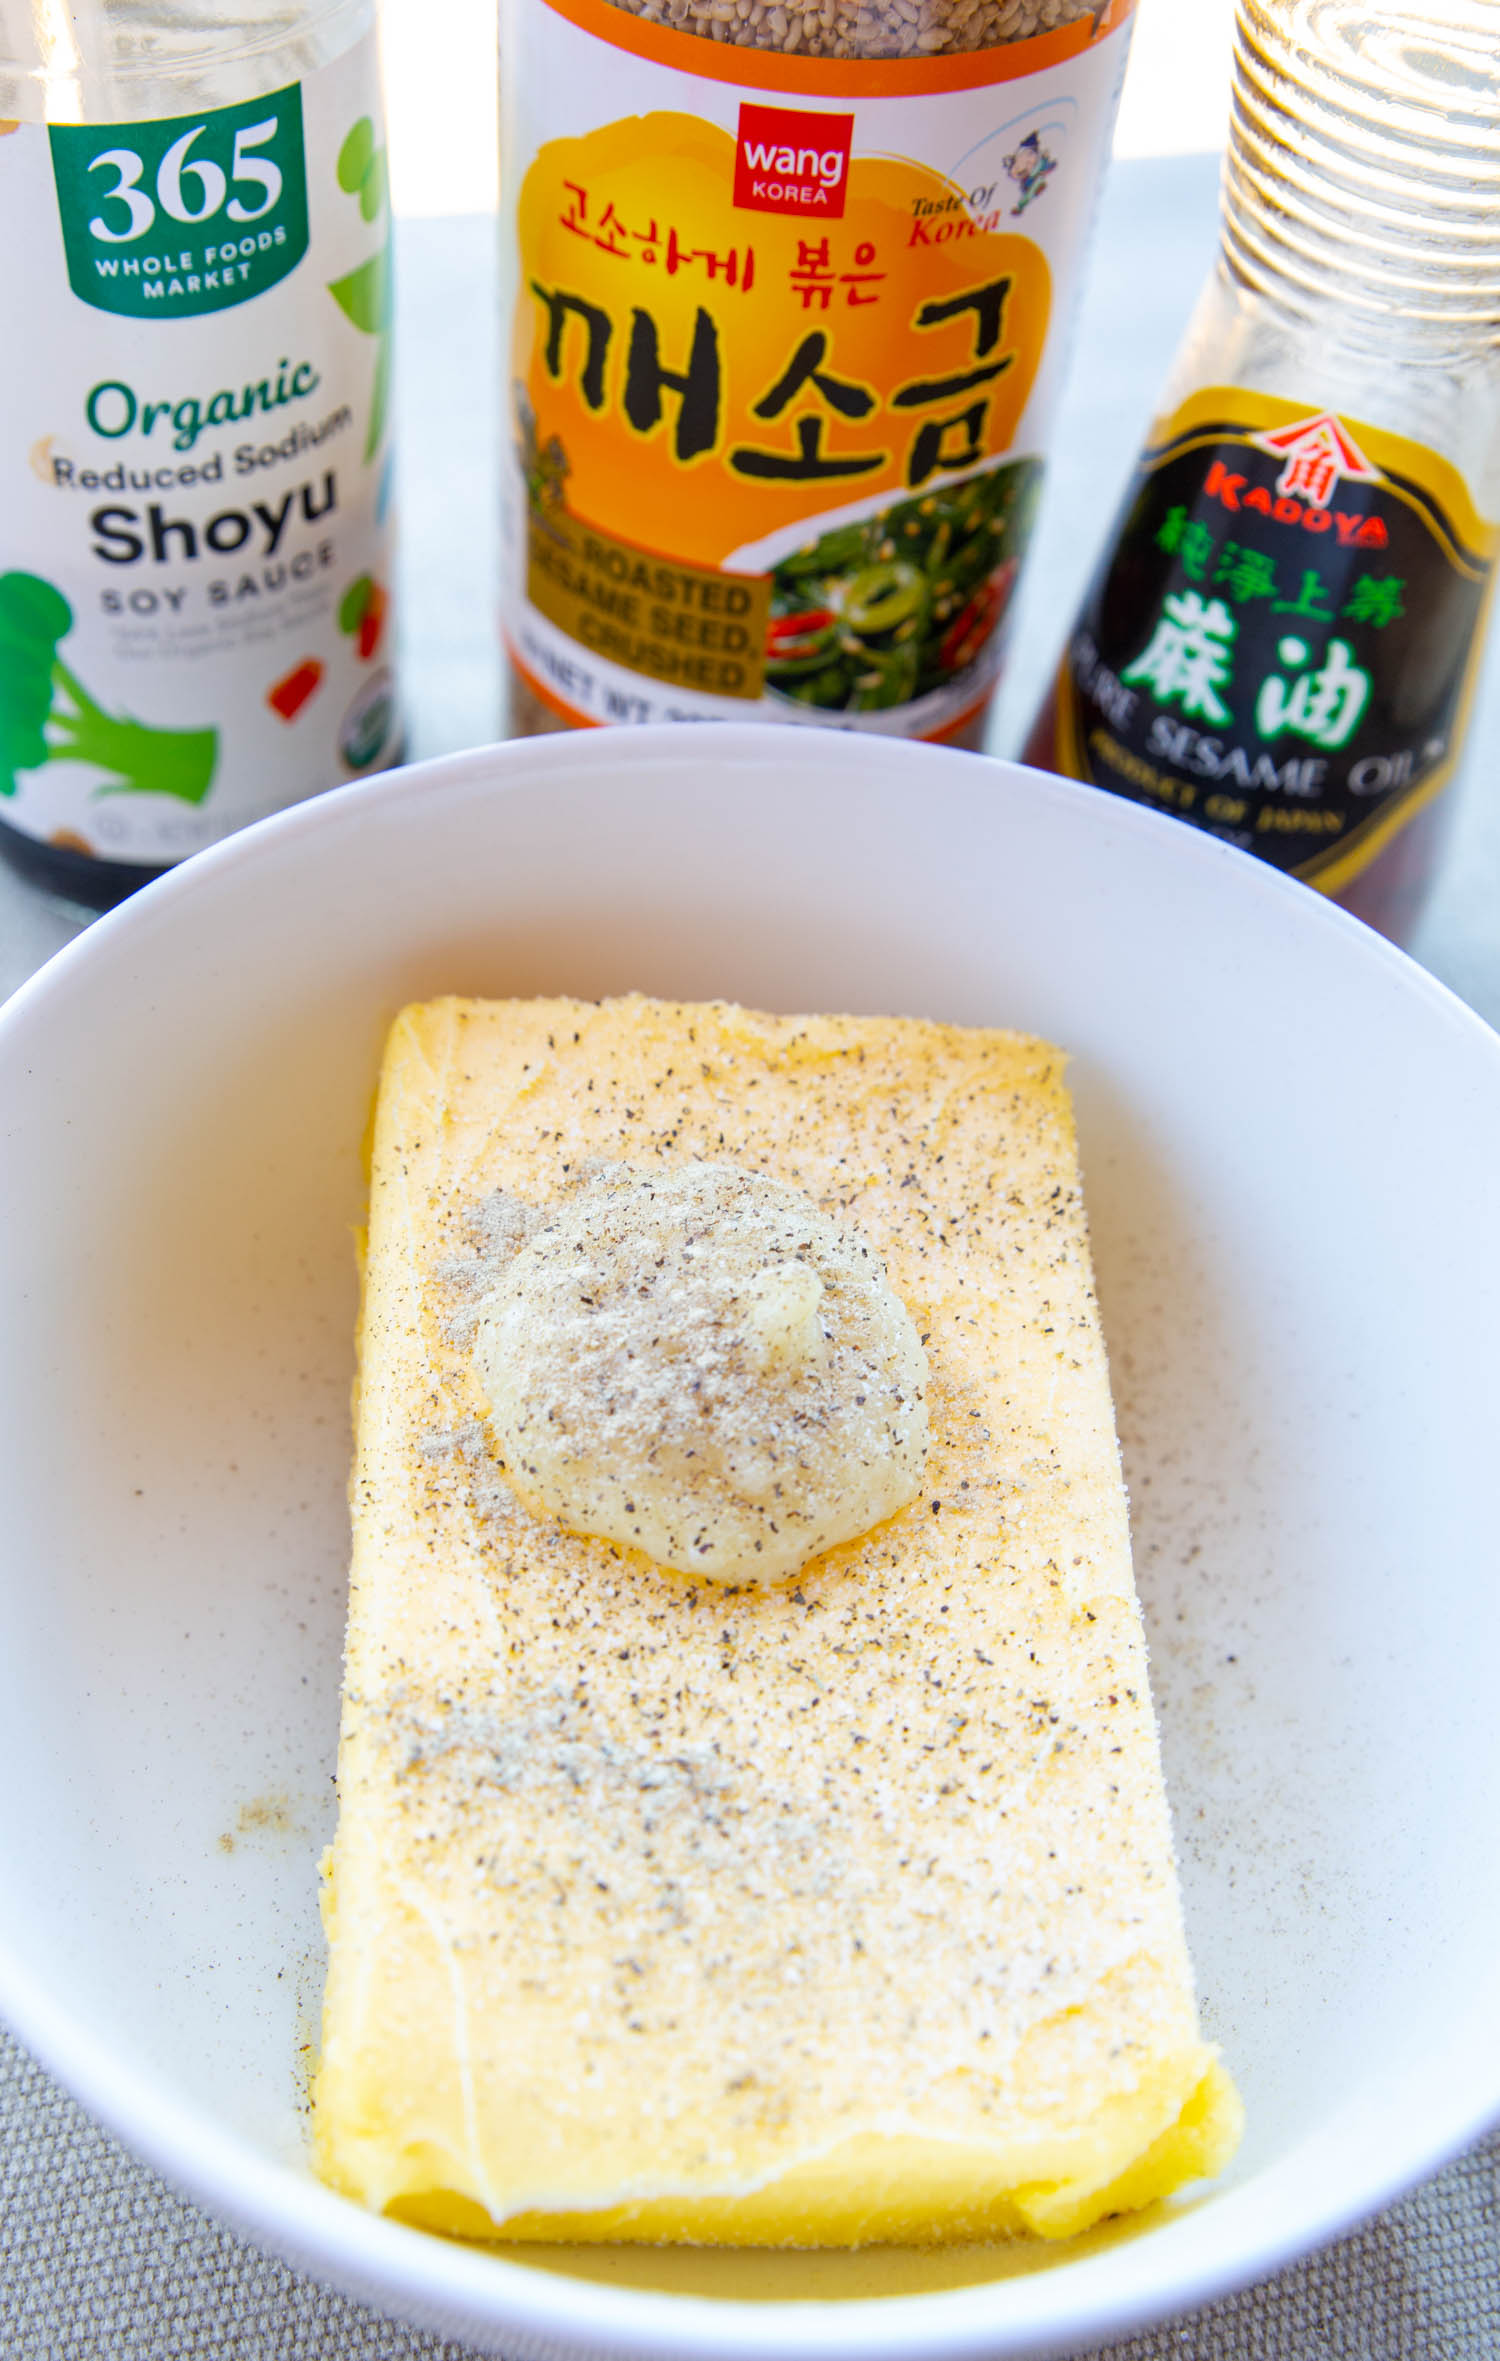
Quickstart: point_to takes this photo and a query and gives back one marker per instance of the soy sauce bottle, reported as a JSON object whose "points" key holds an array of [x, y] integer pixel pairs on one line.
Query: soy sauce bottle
{"points": [[1280, 641], [195, 467]]}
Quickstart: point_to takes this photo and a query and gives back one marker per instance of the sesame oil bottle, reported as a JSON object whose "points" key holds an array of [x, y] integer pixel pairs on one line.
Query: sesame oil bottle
{"points": [[1280, 642]]}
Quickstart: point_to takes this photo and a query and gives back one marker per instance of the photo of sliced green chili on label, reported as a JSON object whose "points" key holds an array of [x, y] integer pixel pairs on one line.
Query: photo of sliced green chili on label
{"points": [[878, 612]]}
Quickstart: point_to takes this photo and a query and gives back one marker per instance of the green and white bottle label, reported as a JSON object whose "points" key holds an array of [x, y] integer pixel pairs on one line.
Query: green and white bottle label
{"points": [[195, 473], [187, 215]]}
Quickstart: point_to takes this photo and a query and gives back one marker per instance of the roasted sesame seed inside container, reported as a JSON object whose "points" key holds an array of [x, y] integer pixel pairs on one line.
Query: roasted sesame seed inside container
{"points": [[786, 293], [903, 28]]}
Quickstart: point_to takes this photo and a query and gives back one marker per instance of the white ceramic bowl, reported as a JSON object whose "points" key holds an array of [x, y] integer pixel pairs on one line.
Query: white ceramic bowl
{"points": [[1291, 1140]]}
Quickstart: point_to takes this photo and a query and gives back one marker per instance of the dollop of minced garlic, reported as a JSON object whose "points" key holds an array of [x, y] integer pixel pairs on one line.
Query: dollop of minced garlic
{"points": [[699, 1363]]}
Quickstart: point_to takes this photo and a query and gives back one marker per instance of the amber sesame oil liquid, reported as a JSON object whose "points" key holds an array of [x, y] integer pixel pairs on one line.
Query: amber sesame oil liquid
{"points": [[786, 302], [1280, 643]]}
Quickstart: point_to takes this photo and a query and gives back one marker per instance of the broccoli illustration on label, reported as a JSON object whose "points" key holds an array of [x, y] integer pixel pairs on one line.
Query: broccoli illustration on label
{"points": [[364, 295], [362, 614], [46, 714]]}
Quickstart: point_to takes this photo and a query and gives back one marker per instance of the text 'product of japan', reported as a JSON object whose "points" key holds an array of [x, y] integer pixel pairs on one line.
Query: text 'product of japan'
{"points": [[195, 457], [787, 295], [1280, 643]]}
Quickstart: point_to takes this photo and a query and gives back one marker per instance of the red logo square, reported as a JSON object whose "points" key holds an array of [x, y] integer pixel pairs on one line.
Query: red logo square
{"points": [[788, 160]]}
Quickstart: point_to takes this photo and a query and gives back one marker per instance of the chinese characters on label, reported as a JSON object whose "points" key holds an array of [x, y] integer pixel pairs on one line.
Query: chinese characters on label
{"points": [[1190, 659], [1276, 646]]}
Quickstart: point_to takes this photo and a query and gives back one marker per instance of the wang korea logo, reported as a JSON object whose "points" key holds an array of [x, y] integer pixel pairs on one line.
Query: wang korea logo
{"points": [[788, 160]]}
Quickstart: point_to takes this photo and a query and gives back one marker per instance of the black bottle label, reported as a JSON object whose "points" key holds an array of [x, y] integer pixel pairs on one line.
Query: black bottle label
{"points": [[1279, 646]]}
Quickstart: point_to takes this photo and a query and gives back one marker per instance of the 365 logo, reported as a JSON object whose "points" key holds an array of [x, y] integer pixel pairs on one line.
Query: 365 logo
{"points": [[788, 160], [187, 214]]}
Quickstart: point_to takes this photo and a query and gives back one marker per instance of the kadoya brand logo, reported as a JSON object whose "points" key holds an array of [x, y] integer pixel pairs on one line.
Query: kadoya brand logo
{"points": [[1320, 454], [788, 160]]}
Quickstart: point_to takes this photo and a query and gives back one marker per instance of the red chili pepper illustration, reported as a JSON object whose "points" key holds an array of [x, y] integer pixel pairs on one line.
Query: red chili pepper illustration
{"points": [[288, 695]]}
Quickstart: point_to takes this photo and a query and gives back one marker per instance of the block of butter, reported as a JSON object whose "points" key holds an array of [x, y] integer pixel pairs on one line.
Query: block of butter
{"points": [[818, 1912]]}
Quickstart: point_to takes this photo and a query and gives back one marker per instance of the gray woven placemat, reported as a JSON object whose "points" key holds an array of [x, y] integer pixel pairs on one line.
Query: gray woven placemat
{"points": [[100, 2262]]}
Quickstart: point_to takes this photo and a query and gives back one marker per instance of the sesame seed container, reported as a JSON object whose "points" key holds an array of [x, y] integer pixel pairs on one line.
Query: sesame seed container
{"points": [[786, 299]]}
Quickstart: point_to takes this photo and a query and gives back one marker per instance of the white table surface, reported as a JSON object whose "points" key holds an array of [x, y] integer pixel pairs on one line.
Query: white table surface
{"points": [[97, 2261]]}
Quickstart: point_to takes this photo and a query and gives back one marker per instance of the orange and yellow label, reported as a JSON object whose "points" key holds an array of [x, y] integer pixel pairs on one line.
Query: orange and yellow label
{"points": [[778, 370]]}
